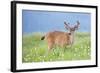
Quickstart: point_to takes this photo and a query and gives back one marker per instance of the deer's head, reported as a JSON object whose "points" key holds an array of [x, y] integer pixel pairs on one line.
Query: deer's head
{"points": [[73, 28]]}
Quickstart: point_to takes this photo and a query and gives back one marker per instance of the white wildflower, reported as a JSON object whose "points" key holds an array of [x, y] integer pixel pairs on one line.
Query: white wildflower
{"points": [[35, 48], [74, 54], [88, 53], [62, 54], [44, 56]]}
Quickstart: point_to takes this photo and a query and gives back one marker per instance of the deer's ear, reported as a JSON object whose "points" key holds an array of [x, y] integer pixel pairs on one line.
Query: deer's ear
{"points": [[77, 25], [67, 26]]}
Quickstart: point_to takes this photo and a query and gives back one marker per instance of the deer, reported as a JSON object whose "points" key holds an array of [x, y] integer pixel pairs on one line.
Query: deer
{"points": [[61, 38]]}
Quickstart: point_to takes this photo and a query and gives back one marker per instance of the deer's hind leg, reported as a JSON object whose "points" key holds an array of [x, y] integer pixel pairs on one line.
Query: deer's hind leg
{"points": [[50, 45]]}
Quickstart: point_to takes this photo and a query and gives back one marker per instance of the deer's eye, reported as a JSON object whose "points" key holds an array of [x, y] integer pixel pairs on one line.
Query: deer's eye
{"points": [[69, 33]]}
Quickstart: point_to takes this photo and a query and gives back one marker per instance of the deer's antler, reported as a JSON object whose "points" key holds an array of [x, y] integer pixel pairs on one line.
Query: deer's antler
{"points": [[66, 25]]}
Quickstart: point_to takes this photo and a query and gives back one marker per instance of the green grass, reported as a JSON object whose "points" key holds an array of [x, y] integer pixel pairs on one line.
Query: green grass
{"points": [[35, 50]]}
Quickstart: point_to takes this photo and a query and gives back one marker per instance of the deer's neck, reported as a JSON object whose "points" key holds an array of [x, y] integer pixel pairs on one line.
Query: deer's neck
{"points": [[72, 37]]}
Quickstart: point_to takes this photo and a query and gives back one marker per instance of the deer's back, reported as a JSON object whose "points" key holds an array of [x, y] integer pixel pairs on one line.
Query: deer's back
{"points": [[58, 37]]}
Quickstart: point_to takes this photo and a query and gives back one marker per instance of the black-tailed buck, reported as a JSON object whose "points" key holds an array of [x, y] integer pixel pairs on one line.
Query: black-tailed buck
{"points": [[61, 38]]}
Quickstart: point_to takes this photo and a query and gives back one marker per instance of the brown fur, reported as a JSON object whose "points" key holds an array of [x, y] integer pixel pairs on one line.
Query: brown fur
{"points": [[57, 38]]}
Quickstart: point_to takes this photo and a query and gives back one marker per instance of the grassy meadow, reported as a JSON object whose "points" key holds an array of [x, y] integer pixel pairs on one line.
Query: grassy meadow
{"points": [[35, 50]]}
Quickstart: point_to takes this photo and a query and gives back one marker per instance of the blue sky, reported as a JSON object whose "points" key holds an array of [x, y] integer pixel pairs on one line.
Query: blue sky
{"points": [[45, 21]]}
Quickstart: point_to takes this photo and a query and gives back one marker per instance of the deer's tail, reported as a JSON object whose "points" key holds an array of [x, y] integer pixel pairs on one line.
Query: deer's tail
{"points": [[43, 37]]}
